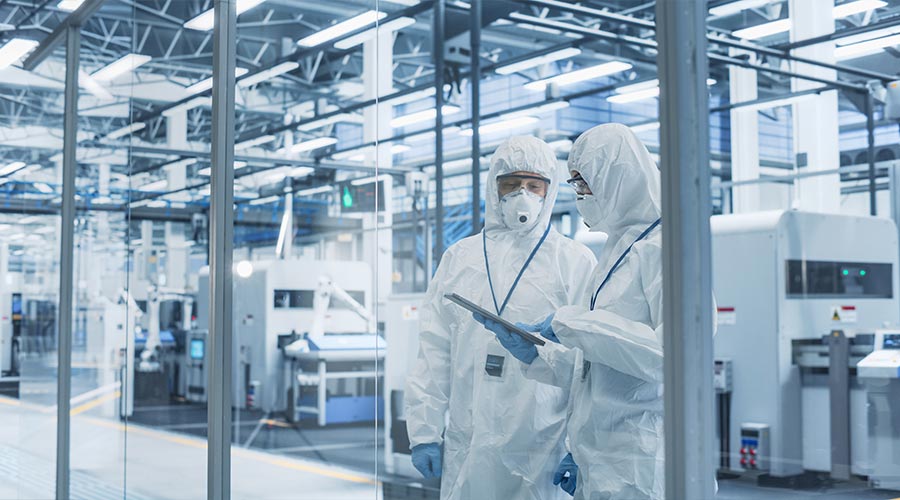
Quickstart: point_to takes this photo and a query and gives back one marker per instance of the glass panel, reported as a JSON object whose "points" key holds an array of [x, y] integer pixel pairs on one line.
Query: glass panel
{"points": [[308, 286], [138, 407], [31, 123]]}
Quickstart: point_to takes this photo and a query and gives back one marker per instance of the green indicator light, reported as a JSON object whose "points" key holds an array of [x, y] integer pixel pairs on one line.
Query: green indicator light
{"points": [[846, 272], [347, 198], [862, 272]]}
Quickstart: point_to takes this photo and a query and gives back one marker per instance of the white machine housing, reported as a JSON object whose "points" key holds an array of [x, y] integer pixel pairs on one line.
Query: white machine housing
{"points": [[260, 317], [880, 372], [758, 318], [402, 335]]}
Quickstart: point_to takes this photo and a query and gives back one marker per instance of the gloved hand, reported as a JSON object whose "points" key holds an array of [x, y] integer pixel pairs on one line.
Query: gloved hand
{"points": [[520, 348], [543, 328], [426, 458], [567, 475]]}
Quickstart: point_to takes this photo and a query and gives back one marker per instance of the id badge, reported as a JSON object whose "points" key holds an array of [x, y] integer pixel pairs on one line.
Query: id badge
{"points": [[495, 365]]}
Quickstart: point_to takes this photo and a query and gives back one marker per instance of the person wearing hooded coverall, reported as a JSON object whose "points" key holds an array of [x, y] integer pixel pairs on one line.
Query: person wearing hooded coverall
{"points": [[615, 428], [504, 434]]}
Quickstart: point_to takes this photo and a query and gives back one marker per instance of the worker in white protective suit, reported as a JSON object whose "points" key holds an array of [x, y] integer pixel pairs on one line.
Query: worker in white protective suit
{"points": [[615, 428], [504, 434]]}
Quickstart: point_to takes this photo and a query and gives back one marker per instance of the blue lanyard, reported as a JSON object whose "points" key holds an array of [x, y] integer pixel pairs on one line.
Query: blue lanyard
{"points": [[487, 267], [619, 261]]}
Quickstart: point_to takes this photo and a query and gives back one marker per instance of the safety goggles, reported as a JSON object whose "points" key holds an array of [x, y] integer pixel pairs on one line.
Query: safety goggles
{"points": [[513, 182], [579, 185]]}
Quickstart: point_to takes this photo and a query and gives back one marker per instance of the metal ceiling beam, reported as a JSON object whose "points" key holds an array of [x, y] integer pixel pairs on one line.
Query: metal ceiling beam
{"points": [[49, 44]]}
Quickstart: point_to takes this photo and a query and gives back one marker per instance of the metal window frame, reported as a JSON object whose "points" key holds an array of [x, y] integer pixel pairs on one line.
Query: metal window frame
{"points": [[687, 281]]}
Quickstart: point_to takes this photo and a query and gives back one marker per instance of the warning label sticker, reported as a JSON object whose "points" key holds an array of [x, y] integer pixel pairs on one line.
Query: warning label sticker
{"points": [[843, 314], [726, 316], [410, 313]]}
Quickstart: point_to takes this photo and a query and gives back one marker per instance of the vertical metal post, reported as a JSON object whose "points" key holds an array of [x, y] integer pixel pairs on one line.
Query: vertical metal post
{"points": [[438, 56], [870, 151], [475, 84], [66, 262], [221, 230], [687, 284], [839, 403]]}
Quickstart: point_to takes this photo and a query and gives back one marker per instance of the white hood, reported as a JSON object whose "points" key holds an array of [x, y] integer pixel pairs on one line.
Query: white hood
{"points": [[623, 178], [520, 154]]}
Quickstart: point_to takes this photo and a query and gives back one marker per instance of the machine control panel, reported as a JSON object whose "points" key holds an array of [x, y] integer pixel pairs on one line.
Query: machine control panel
{"points": [[884, 362], [722, 375], [754, 446]]}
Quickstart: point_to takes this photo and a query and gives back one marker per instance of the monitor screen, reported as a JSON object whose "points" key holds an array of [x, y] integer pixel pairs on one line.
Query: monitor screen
{"points": [[197, 348], [891, 341]]}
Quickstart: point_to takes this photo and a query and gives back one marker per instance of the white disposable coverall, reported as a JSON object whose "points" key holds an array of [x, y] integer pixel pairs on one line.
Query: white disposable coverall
{"points": [[615, 428], [504, 433]]}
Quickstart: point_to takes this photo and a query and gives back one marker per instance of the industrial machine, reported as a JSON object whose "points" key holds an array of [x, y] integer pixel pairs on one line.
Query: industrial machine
{"points": [[303, 334], [10, 333], [880, 372], [785, 281]]}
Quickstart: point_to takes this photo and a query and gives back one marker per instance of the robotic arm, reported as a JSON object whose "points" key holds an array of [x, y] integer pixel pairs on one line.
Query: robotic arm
{"points": [[322, 301]]}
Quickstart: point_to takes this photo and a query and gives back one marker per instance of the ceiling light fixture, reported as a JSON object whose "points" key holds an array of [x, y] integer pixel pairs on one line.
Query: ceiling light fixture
{"points": [[313, 144], [507, 124], [388, 27], [580, 75], [850, 8], [15, 50], [865, 48], [126, 130], [206, 20], [557, 55], [268, 74], [12, 168], [424, 115], [340, 29], [764, 30], [122, 65], [207, 83]]}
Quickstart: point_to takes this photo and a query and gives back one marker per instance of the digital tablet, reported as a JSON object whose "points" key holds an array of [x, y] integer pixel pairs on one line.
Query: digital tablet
{"points": [[475, 308]]}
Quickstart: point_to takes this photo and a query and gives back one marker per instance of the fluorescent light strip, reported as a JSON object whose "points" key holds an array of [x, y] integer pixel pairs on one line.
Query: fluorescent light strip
{"points": [[154, 186], [368, 180], [91, 85], [340, 29], [249, 143], [206, 21], [268, 74], [866, 48], [126, 130], [399, 148], [69, 5], [538, 61], [764, 30], [869, 35], [12, 168], [850, 8], [508, 124], [388, 27], [775, 103], [641, 91], [263, 201], [580, 75], [313, 144], [43, 187], [122, 65], [15, 50], [206, 84], [424, 115], [732, 8], [207, 171], [188, 105], [413, 97]]}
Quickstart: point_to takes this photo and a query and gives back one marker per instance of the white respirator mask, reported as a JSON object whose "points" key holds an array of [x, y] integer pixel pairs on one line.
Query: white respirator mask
{"points": [[521, 210], [590, 211]]}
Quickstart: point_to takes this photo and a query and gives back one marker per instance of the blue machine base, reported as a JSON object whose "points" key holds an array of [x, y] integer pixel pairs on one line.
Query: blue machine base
{"points": [[347, 409]]}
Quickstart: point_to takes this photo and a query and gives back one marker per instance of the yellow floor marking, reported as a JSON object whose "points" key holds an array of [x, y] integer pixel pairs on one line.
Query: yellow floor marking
{"points": [[93, 404], [10, 402], [276, 423]]}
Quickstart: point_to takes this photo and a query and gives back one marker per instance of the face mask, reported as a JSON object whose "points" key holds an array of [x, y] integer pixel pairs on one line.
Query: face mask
{"points": [[520, 210], [590, 210]]}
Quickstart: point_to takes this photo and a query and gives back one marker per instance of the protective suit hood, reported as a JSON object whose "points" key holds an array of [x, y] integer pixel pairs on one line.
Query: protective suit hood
{"points": [[622, 175], [520, 154]]}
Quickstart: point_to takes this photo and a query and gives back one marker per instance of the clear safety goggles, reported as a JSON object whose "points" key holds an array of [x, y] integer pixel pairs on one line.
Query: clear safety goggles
{"points": [[513, 182], [579, 185]]}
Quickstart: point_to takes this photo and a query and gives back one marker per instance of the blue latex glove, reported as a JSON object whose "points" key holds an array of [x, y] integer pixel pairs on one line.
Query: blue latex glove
{"points": [[543, 328], [426, 458], [567, 475], [520, 348]]}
